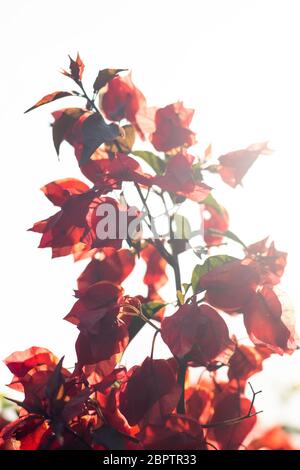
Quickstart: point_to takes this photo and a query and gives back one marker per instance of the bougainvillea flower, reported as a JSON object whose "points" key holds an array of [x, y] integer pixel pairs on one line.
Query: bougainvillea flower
{"points": [[270, 261], [155, 276], [176, 433], [234, 165], [154, 381], [172, 128], [123, 100], [216, 220], [81, 224], [179, 178], [246, 361], [25, 433], [196, 332], [230, 405], [59, 191], [50, 391], [64, 231], [198, 402], [108, 223], [264, 322], [102, 333], [108, 265], [230, 286], [20, 362], [109, 171]]}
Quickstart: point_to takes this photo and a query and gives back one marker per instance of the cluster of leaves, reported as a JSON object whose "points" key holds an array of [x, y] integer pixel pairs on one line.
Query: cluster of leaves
{"points": [[154, 405]]}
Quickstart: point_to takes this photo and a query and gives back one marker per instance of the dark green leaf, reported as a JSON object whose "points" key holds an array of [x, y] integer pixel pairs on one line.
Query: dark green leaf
{"points": [[63, 124], [151, 308], [104, 76], [55, 383], [96, 131]]}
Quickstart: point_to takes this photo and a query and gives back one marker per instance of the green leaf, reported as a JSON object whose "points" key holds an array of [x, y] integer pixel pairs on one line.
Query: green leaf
{"points": [[186, 287], [156, 163], [210, 263], [104, 76], [151, 308], [228, 234], [211, 201]]}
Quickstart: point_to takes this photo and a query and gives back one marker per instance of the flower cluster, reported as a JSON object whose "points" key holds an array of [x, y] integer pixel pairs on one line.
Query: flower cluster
{"points": [[156, 404]]}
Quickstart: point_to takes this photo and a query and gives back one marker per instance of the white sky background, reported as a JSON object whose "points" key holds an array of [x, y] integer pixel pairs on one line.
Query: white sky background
{"points": [[235, 61]]}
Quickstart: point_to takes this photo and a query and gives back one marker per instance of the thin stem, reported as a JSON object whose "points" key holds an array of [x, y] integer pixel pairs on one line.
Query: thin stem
{"points": [[156, 242], [153, 343], [91, 102], [181, 382], [175, 264]]}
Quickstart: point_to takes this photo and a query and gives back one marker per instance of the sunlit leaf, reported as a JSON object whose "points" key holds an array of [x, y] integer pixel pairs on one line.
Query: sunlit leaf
{"points": [[156, 163], [209, 264], [49, 98]]}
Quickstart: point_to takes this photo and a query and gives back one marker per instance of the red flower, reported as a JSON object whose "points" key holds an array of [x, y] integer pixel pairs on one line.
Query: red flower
{"points": [[264, 323], [177, 432], [154, 382], [230, 286], [270, 261], [234, 165], [102, 333], [59, 191], [172, 128], [50, 391], [216, 220], [20, 362], [179, 179], [108, 265], [111, 172], [108, 223], [246, 361], [155, 276], [230, 405], [123, 100], [78, 225], [198, 402], [197, 333]]}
